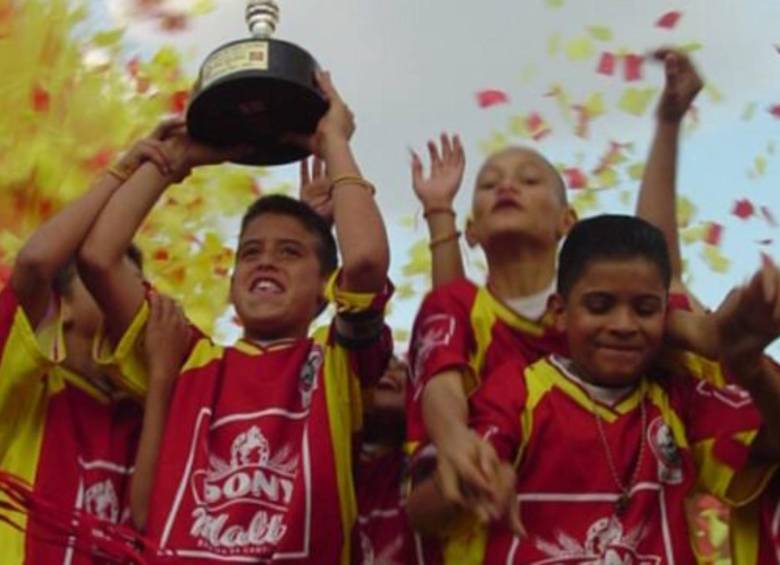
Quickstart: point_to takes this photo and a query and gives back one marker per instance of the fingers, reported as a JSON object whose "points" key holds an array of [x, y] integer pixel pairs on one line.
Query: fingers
{"points": [[305, 177], [460, 154], [433, 152], [154, 151], [513, 519], [169, 127], [325, 83], [769, 279], [318, 168], [417, 168], [446, 148]]}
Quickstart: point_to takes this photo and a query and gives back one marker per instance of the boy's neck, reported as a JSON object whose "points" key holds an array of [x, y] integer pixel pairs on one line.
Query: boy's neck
{"points": [[609, 395], [78, 358], [521, 271]]}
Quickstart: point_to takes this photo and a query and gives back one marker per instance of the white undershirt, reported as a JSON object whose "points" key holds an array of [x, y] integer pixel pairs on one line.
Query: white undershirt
{"points": [[606, 395], [534, 306]]}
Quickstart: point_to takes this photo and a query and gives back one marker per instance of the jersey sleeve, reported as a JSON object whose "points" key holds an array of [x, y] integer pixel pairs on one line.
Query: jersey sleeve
{"points": [[126, 361], [721, 424], [360, 330], [441, 338], [26, 354], [496, 408]]}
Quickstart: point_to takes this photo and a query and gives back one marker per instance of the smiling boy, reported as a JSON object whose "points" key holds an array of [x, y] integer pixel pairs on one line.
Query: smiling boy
{"points": [[631, 441]]}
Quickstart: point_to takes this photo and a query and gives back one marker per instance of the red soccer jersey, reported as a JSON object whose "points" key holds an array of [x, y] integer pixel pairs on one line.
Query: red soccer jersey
{"points": [[463, 326], [382, 534], [696, 437], [256, 459], [69, 441]]}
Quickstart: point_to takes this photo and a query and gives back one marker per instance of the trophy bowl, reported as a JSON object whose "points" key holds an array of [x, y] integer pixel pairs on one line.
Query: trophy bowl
{"points": [[253, 91]]}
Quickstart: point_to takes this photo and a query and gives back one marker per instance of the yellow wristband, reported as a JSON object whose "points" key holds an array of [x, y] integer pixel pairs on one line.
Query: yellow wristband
{"points": [[444, 239], [351, 179]]}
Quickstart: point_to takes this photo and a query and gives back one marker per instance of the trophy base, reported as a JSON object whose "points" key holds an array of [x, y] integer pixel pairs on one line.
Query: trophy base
{"points": [[252, 92]]}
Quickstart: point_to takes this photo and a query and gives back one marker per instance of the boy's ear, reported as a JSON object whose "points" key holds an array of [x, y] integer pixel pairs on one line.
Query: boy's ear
{"points": [[556, 306], [471, 235], [568, 219]]}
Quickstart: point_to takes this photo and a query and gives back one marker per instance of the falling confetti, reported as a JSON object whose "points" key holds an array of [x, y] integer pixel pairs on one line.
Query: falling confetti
{"points": [[491, 97], [743, 209], [606, 64], [668, 20], [632, 67], [635, 101]]}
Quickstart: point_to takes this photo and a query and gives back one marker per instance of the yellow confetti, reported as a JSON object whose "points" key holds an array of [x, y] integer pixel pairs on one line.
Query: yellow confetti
{"points": [[401, 335], [579, 49], [693, 234], [554, 3], [419, 262], [689, 47], [404, 291], [686, 210], [749, 112], [601, 33], [712, 91], [634, 101], [595, 105], [636, 170], [625, 198], [496, 142], [585, 201], [607, 178], [760, 165], [714, 259], [518, 125]]}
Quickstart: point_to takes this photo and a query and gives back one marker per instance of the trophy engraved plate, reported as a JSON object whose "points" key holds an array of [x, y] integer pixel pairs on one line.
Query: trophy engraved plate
{"points": [[255, 90]]}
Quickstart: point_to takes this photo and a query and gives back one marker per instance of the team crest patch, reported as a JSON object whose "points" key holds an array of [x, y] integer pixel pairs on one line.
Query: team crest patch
{"points": [[307, 379], [732, 395], [605, 542], [666, 452], [435, 330]]}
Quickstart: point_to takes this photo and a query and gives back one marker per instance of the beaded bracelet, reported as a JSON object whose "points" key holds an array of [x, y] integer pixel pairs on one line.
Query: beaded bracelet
{"points": [[443, 239], [427, 212]]}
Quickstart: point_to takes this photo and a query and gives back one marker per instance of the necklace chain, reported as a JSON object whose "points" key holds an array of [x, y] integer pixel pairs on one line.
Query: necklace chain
{"points": [[625, 489]]}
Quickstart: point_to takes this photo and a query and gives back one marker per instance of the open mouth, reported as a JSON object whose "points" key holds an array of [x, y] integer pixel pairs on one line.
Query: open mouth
{"points": [[506, 204], [266, 285]]}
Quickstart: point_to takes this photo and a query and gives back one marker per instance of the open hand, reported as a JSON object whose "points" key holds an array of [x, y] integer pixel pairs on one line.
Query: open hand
{"points": [[446, 174], [315, 188]]}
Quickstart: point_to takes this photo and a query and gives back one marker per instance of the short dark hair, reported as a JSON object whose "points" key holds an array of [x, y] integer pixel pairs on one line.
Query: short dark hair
{"points": [[611, 236], [305, 214], [64, 277]]}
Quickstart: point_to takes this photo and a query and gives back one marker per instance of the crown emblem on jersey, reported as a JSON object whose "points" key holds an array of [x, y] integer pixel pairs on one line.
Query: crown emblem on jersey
{"points": [[101, 501], [250, 448]]}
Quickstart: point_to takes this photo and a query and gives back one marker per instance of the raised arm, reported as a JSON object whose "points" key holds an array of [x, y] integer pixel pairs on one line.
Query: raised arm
{"points": [[437, 193], [360, 231], [56, 241], [116, 289], [748, 322], [658, 191], [166, 340]]}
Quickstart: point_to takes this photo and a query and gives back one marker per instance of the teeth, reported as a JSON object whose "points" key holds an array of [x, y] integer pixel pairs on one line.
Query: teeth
{"points": [[266, 285]]}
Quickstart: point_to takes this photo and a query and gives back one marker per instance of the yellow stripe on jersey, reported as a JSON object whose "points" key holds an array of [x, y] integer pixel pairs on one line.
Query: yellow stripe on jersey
{"points": [[485, 312], [343, 405], [24, 404], [538, 384], [127, 356], [744, 533]]}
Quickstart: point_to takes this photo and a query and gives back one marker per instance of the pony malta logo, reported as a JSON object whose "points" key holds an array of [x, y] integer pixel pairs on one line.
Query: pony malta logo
{"points": [[101, 500], [241, 503]]}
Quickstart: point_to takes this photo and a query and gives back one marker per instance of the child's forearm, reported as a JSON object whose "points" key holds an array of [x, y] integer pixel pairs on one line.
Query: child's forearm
{"points": [[658, 190], [445, 406], [446, 259], [101, 257], [155, 414], [53, 244], [360, 229]]}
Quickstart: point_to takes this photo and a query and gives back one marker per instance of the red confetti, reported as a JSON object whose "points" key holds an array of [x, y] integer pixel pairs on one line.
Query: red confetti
{"points": [[632, 68], [133, 66], [606, 64], [40, 99], [488, 98], [668, 20], [161, 255], [743, 209], [179, 101], [775, 110], [575, 178], [768, 216], [100, 160], [536, 125], [714, 234]]}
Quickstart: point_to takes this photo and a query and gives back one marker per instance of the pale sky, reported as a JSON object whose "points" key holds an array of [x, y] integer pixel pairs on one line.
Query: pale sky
{"points": [[410, 69]]}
